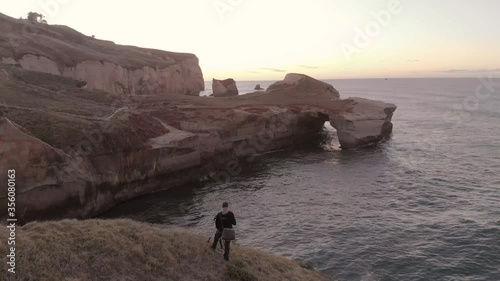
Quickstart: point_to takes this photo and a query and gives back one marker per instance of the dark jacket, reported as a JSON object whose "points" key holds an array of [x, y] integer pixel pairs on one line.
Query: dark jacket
{"points": [[224, 221]]}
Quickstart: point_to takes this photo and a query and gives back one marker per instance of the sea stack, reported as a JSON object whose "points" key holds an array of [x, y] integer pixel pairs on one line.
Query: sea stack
{"points": [[224, 88]]}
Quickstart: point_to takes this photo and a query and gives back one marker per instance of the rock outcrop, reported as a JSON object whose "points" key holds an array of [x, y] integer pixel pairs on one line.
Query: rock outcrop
{"points": [[368, 122], [79, 152], [258, 88], [104, 65], [295, 84], [88, 124], [224, 88]]}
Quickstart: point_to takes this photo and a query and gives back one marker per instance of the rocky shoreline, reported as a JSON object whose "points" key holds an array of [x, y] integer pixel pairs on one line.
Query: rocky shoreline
{"points": [[79, 151]]}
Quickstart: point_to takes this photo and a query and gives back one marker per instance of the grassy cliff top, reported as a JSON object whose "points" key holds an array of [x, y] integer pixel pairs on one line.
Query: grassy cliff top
{"points": [[127, 250]]}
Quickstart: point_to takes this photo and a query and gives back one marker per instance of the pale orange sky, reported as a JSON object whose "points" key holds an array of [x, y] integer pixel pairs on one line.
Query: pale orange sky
{"points": [[264, 40]]}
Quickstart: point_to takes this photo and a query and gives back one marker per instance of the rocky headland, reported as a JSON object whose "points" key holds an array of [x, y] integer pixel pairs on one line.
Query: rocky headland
{"points": [[88, 124]]}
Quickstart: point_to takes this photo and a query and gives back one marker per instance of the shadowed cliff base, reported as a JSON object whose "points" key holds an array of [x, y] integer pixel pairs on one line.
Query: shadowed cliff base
{"points": [[127, 250]]}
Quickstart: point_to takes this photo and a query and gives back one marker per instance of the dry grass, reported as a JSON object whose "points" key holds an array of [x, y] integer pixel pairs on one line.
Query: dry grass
{"points": [[126, 250]]}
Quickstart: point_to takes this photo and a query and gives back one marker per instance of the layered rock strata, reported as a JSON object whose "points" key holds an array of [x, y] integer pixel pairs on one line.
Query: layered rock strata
{"points": [[101, 64]]}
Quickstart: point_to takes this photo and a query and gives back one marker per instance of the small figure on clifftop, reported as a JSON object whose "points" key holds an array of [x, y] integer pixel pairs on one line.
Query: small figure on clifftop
{"points": [[224, 222]]}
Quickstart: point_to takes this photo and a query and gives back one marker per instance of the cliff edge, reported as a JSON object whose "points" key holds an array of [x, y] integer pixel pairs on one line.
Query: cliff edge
{"points": [[84, 132], [128, 250]]}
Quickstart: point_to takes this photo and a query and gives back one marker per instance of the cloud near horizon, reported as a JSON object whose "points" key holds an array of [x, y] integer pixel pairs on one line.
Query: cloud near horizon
{"points": [[308, 66], [471, 70], [273, 69]]}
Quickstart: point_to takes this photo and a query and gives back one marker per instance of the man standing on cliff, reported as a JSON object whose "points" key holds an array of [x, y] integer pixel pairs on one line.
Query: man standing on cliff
{"points": [[224, 219]]}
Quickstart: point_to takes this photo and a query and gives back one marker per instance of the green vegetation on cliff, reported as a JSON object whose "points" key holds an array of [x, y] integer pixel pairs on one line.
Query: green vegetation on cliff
{"points": [[126, 250]]}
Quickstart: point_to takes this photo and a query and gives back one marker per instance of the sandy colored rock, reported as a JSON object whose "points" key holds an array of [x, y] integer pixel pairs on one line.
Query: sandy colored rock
{"points": [[129, 250], [224, 88], [88, 124], [102, 64]]}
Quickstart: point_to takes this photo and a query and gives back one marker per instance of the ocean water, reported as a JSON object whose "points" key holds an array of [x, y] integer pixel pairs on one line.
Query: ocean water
{"points": [[244, 87], [425, 205]]}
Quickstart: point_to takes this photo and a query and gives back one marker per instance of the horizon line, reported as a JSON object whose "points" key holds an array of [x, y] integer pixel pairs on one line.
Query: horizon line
{"points": [[378, 78]]}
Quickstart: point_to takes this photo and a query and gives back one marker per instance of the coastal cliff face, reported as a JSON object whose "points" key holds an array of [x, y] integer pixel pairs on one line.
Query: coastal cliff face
{"points": [[103, 65], [129, 250], [179, 78], [78, 152], [81, 148]]}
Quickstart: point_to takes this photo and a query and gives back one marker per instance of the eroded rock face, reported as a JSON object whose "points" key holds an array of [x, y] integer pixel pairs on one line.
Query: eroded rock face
{"points": [[27, 153], [182, 78], [120, 154], [224, 88], [104, 65], [359, 123], [367, 123], [300, 83], [34, 163]]}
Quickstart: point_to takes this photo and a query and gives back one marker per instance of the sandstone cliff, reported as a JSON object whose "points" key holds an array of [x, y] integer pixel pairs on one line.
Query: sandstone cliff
{"points": [[78, 152], [102, 64], [224, 88]]}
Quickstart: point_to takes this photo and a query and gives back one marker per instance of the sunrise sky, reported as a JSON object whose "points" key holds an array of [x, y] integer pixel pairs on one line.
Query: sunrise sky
{"points": [[265, 39]]}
